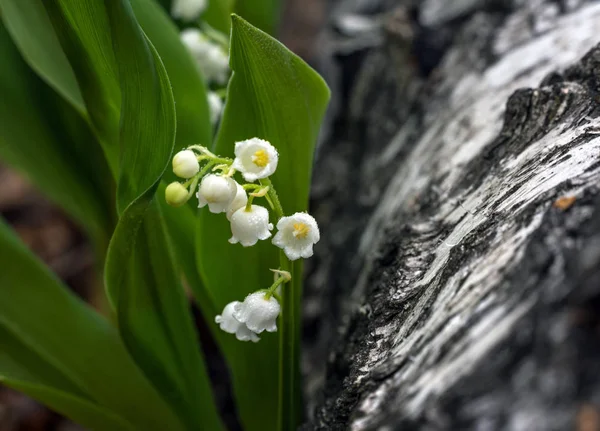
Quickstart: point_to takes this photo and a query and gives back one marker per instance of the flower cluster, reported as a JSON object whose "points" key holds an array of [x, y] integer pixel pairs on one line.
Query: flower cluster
{"points": [[188, 10], [214, 176], [211, 58]]}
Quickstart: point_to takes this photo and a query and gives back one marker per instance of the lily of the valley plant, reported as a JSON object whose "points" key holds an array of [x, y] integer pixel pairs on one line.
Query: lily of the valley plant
{"points": [[179, 137], [256, 160]]}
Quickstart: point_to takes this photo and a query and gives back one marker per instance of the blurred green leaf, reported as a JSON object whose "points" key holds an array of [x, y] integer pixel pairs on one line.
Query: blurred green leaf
{"points": [[43, 137], [83, 412], [32, 31], [272, 95], [263, 14], [218, 15], [128, 95], [50, 338]]}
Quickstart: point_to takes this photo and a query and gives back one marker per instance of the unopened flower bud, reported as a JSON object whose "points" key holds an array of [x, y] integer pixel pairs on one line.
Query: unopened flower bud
{"points": [[185, 164], [176, 194]]}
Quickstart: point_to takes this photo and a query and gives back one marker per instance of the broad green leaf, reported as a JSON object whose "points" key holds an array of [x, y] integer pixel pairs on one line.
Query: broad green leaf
{"points": [[147, 125], [151, 308], [51, 338], [32, 31], [263, 14], [43, 137], [83, 412], [81, 29], [166, 347], [272, 95]]}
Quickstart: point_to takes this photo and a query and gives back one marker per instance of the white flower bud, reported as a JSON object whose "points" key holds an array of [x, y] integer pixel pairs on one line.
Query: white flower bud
{"points": [[296, 235], [215, 106], [240, 200], [255, 159], [210, 58], [247, 227], [217, 192], [176, 195], [185, 164], [187, 10], [258, 313], [231, 325]]}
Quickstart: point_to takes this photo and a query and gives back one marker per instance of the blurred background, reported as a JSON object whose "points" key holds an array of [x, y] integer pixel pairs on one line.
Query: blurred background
{"points": [[50, 234]]}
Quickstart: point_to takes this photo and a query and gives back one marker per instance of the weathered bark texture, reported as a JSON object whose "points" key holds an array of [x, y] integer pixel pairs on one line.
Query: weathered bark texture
{"points": [[457, 284]]}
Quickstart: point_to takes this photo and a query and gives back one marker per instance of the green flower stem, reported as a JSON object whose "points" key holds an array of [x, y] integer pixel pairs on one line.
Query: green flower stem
{"points": [[290, 402], [249, 203], [274, 199], [205, 169], [193, 187], [271, 290], [289, 373]]}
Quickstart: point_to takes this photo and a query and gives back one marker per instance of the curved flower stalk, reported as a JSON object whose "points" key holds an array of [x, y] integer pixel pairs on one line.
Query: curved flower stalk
{"points": [[214, 177]]}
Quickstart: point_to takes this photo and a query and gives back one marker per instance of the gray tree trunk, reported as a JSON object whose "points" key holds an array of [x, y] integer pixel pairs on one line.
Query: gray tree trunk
{"points": [[457, 282]]}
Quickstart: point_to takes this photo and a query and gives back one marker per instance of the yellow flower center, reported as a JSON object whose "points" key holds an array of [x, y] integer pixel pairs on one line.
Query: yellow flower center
{"points": [[301, 230], [260, 158]]}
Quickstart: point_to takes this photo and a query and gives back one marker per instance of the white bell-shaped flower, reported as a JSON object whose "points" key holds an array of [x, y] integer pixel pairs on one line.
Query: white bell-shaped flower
{"points": [[296, 235], [255, 159], [216, 191], [187, 10], [247, 227], [240, 200], [258, 312], [215, 106], [231, 325], [185, 164], [210, 58]]}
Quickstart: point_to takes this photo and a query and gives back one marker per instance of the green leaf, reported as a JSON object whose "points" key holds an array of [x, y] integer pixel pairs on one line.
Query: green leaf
{"points": [[151, 308], [272, 95], [79, 410], [32, 31], [217, 15], [263, 14], [189, 90], [51, 338], [46, 139], [165, 347], [81, 29], [147, 125]]}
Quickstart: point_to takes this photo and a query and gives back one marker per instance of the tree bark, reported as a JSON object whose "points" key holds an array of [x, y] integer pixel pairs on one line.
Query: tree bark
{"points": [[457, 282]]}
